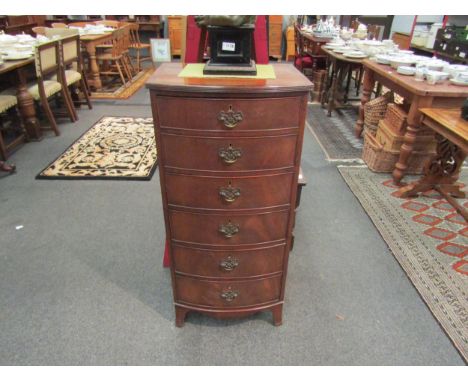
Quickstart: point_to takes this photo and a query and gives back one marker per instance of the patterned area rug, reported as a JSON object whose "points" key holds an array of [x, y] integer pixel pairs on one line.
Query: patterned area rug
{"points": [[115, 90], [335, 134], [429, 240], [114, 148]]}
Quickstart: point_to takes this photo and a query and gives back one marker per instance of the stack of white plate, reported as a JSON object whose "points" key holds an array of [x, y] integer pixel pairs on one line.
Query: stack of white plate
{"points": [[355, 54], [406, 70]]}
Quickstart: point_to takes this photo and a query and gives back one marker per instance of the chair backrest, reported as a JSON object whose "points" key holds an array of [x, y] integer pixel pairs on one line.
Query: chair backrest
{"points": [[39, 30], [373, 31], [298, 42], [59, 25], [354, 24], [108, 23], [70, 49], [47, 58], [134, 36]]}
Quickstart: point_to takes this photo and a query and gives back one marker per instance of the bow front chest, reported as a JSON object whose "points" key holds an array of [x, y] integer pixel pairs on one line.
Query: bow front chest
{"points": [[229, 154]]}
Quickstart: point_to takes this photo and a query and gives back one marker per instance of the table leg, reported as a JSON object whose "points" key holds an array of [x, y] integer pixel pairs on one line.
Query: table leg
{"points": [[440, 173], [332, 91], [413, 120], [367, 88], [348, 83], [26, 108], [94, 67]]}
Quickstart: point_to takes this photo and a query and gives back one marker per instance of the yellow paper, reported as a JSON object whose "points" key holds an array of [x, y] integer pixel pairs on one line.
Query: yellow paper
{"points": [[264, 72]]}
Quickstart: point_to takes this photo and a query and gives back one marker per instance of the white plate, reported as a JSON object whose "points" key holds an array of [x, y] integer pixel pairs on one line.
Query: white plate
{"points": [[354, 55], [19, 56], [459, 83]]}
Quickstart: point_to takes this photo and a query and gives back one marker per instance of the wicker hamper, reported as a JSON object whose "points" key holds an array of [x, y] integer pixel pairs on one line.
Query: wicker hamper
{"points": [[380, 160], [391, 141], [375, 110], [395, 117]]}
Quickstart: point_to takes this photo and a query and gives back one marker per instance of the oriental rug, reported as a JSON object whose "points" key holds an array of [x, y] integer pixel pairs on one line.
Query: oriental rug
{"points": [[335, 134], [114, 148], [113, 88], [430, 241]]}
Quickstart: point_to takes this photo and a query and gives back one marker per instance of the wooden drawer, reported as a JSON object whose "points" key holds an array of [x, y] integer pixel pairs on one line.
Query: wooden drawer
{"points": [[213, 153], [206, 228], [226, 294], [234, 263], [228, 193], [207, 114]]}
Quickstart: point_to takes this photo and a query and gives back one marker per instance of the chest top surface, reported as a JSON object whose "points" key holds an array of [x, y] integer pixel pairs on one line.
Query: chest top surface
{"points": [[288, 80]]}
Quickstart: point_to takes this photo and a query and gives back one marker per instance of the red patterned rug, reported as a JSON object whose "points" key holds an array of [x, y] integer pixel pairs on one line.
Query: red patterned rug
{"points": [[430, 241]]}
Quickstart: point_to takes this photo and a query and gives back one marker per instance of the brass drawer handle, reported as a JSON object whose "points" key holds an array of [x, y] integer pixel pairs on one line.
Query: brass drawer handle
{"points": [[229, 229], [229, 155], [229, 295], [229, 193], [229, 264], [230, 118]]}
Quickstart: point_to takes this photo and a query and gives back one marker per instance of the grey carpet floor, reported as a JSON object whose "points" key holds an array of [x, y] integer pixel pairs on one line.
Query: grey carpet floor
{"points": [[82, 282]]}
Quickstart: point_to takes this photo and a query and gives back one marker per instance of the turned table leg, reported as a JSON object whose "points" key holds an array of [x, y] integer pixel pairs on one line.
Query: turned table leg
{"points": [[27, 109], [413, 120], [367, 87], [94, 68]]}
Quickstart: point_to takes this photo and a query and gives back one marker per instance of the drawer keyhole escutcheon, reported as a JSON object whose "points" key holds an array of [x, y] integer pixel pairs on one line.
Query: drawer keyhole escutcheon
{"points": [[230, 118], [229, 155], [229, 229], [229, 264], [229, 295], [229, 193]]}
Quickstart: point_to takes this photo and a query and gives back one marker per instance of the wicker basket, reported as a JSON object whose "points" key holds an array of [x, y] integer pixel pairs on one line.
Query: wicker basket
{"points": [[392, 141], [379, 160], [396, 118], [375, 110]]}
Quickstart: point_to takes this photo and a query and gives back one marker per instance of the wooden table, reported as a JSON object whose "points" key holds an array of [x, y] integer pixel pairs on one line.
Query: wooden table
{"points": [[442, 171], [89, 42], [155, 26], [418, 94], [25, 100], [340, 66]]}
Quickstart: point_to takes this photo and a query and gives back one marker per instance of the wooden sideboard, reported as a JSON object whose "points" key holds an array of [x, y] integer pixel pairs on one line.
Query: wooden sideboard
{"points": [[175, 34], [275, 33], [229, 159]]}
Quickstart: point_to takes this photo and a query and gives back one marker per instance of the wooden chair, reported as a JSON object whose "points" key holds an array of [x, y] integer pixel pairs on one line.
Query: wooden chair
{"points": [[59, 25], [47, 60], [39, 31], [138, 46], [108, 23], [117, 55], [373, 31], [71, 69], [67, 32], [301, 60], [354, 24], [8, 104]]}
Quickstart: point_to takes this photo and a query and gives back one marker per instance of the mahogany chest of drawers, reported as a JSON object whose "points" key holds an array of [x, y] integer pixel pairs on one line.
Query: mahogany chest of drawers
{"points": [[229, 154]]}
